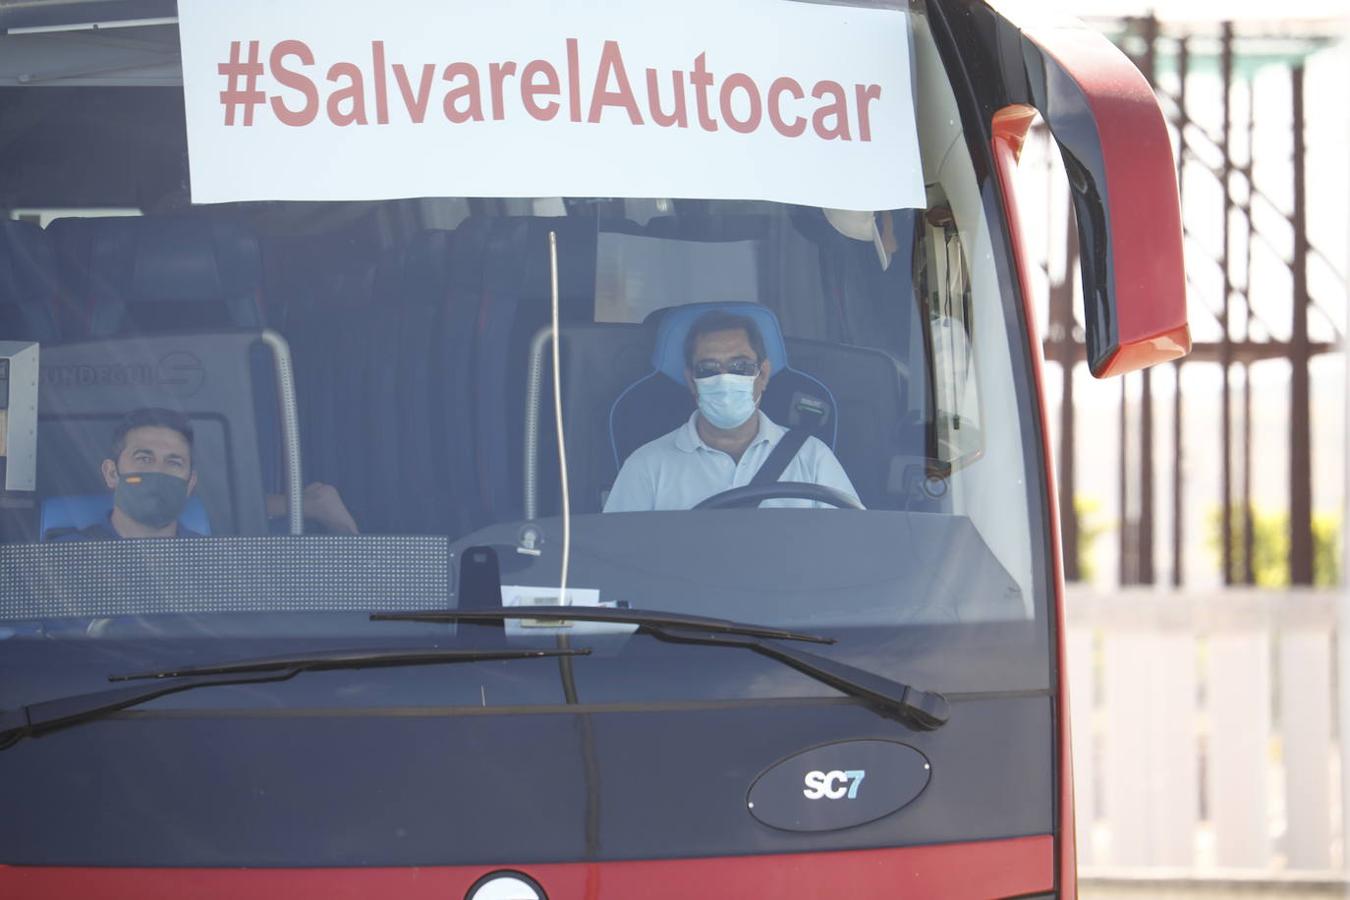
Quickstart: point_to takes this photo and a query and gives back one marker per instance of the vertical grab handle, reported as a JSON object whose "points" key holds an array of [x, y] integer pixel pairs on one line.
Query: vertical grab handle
{"points": [[290, 428]]}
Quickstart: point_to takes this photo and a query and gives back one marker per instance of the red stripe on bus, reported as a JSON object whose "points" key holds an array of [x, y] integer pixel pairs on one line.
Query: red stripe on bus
{"points": [[950, 871]]}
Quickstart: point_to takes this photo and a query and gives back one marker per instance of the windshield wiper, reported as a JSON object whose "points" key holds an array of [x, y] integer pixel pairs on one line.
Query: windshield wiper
{"points": [[480, 590], [49, 715], [643, 618], [919, 709], [922, 710]]}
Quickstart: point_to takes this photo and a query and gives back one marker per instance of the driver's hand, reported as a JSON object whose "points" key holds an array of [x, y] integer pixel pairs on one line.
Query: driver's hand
{"points": [[323, 504]]}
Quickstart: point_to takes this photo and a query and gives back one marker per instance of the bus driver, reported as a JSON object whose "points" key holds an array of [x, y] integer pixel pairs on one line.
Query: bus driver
{"points": [[727, 439]]}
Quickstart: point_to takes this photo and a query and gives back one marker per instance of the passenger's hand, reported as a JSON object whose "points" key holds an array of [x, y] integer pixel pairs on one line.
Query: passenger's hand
{"points": [[322, 503]]}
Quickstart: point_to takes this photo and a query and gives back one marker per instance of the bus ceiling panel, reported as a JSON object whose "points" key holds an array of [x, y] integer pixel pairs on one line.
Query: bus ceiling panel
{"points": [[16, 14], [1122, 177], [90, 147]]}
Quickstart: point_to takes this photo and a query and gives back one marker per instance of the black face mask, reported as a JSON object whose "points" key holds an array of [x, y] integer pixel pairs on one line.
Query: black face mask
{"points": [[152, 498]]}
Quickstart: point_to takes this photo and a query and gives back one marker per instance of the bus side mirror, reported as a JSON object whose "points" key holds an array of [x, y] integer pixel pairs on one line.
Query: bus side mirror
{"points": [[1112, 136]]}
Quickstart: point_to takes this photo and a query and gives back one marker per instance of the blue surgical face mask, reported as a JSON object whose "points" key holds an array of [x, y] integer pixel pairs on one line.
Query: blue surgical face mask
{"points": [[726, 401]]}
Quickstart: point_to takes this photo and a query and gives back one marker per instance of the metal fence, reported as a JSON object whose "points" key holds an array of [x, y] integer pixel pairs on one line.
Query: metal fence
{"points": [[1244, 213]]}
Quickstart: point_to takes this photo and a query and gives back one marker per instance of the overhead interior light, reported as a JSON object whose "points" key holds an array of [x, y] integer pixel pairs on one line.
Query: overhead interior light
{"points": [[94, 26]]}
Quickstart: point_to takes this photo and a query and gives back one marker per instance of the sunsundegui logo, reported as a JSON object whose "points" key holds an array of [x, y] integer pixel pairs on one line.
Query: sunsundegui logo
{"points": [[833, 785], [838, 785]]}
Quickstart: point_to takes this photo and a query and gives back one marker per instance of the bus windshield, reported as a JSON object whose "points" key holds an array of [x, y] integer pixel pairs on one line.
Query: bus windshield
{"points": [[390, 366]]}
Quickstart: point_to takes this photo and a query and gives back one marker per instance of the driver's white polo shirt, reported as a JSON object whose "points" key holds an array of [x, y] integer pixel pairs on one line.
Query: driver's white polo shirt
{"points": [[678, 470]]}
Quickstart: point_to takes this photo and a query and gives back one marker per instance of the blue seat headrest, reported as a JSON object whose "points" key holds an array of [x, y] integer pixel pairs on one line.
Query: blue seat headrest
{"points": [[28, 283], [81, 511], [673, 324]]}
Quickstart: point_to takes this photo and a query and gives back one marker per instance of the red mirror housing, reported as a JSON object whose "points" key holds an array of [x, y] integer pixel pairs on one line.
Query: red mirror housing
{"points": [[1112, 136]]}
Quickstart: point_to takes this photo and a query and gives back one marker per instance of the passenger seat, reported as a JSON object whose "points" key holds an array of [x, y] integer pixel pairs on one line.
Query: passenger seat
{"points": [[512, 306], [129, 275]]}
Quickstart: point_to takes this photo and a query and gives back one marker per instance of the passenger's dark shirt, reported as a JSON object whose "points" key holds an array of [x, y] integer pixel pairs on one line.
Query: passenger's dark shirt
{"points": [[104, 531]]}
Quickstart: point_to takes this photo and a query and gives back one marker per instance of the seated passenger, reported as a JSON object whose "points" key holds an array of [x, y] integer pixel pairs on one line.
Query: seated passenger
{"points": [[728, 438], [150, 472]]}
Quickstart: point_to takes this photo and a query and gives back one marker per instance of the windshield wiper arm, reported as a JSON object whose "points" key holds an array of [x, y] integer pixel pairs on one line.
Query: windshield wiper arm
{"points": [[645, 619], [919, 709], [327, 660], [923, 710], [49, 715]]}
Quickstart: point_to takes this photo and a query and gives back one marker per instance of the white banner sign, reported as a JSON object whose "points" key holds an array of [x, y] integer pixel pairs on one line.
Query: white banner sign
{"points": [[353, 100]]}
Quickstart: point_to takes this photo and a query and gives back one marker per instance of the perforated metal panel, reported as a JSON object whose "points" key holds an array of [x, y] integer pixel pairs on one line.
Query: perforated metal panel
{"points": [[309, 573]]}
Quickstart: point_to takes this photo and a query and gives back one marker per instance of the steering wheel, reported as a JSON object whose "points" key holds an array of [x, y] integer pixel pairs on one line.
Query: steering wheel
{"points": [[754, 494]]}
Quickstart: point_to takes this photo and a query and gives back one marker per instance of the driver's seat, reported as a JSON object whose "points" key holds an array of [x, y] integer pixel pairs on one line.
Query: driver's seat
{"points": [[660, 401]]}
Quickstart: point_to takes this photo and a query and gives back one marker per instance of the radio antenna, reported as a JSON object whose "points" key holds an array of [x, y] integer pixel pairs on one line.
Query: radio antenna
{"points": [[558, 420]]}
